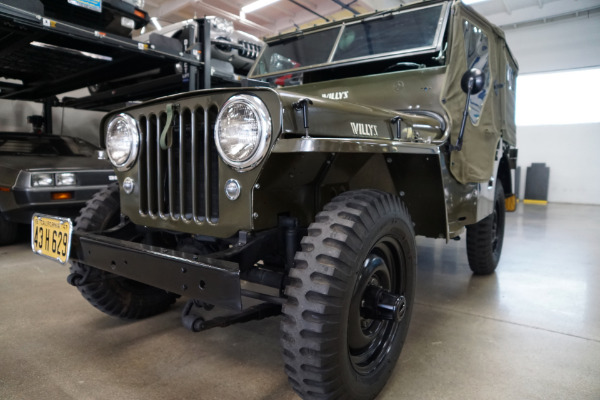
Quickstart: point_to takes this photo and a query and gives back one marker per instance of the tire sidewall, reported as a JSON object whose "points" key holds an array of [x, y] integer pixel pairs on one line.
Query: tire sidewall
{"points": [[483, 258], [8, 231], [362, 386], [501, 219], [113, 294]]}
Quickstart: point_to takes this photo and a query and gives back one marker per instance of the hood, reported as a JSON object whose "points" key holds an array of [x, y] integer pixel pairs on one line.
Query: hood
{"points": [[51, 163], [330, 118], [342, 119]]}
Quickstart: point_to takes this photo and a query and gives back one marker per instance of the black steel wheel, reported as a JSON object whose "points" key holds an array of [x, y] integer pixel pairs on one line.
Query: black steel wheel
{"points": [[8, 231], [114, 295], [485, 238], [350, 297]]}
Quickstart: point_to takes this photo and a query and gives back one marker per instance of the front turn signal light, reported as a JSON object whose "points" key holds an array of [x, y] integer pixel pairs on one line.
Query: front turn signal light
{"points": [[62, 195]]}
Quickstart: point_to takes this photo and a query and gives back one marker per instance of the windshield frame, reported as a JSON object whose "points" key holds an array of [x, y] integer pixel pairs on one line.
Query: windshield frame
{"points": [[436, 46]]}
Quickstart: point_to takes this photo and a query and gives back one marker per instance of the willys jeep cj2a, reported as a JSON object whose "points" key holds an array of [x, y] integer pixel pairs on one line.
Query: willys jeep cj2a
{"points": [[305, 189]]}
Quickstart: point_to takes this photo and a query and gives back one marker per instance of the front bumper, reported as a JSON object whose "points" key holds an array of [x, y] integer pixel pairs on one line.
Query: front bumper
{"points": [[23, 215], [212, 281], [19, 205], [43, 197]]}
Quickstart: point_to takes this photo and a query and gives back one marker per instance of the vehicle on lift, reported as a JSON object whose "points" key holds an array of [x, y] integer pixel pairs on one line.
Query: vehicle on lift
{"points": [[306, 190], [44, 57], [237, 48], [46, 174], [46, 52], [232, 54], [119, 17]]}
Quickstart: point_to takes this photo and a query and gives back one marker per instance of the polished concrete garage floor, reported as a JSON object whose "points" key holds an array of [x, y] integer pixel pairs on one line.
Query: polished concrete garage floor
{"points": [[530, 331]]}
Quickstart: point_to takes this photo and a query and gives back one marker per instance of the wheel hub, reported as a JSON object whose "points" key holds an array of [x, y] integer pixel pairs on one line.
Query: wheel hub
{"points": [[380, 304], [377, 308]]}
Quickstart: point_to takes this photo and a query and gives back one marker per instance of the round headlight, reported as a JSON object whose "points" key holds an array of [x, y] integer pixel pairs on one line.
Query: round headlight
{"points": [[243, 131], [122, 141]]}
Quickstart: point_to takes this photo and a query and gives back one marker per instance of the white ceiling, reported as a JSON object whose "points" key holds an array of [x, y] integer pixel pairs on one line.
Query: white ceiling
{"points": [[285, 15]]}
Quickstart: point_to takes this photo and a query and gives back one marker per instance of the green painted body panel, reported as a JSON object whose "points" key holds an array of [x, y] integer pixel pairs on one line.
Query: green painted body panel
{"points": [[403, 90], [367, 128], [237, 215]]}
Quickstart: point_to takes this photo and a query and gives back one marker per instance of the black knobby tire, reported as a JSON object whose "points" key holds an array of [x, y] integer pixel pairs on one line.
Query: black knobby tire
{"points": [[9, 231], [114, 295], [485, 238], [362, 239]]}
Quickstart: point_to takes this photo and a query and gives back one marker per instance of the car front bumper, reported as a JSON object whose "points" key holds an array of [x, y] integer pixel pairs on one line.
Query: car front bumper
{"points": [[213, 281], [19, 205]]}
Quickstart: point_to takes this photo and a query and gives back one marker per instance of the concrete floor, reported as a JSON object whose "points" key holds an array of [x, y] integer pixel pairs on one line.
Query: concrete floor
{"points": [[530, 331]]}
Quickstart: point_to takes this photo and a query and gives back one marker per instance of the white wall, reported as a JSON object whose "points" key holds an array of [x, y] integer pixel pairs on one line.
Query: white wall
{"points": [[571, 151], [80, 123], [13, 115], [71, 122], [555, 46]]}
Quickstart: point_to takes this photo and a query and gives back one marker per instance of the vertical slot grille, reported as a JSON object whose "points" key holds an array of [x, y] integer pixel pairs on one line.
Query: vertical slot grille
{"points": [[180, 183]]}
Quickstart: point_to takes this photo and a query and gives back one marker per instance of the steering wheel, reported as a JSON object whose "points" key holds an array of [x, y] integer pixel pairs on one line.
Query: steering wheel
{"points": [[404, 65]]}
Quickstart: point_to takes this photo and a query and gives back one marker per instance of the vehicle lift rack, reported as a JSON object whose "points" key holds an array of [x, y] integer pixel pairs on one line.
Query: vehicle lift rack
{"points": [[42, 57]]}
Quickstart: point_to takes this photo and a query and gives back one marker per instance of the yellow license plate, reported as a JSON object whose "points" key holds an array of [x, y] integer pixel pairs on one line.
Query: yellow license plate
{"points": [[51, 237]]}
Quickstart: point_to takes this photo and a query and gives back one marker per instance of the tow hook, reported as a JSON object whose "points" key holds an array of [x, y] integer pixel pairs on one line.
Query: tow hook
{"points": [[74, 279]]}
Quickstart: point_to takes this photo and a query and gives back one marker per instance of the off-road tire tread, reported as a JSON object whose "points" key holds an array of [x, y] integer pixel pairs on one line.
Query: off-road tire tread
{"points": [[479, 251], [315, 300], [108, 292], [9, 231]]}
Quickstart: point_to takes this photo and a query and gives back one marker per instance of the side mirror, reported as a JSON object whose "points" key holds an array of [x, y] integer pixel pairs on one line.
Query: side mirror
{"points": [[472, 82], [477, 78]]}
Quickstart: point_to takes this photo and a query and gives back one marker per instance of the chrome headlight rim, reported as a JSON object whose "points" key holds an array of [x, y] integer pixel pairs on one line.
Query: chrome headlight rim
{"points": [[264, 120], [135, 141], [42, 180], [63, 179]]}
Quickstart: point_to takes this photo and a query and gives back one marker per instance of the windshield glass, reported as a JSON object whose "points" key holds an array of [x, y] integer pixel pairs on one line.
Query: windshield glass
{"points": [[298, 51], [45, 145], [391, 33]]}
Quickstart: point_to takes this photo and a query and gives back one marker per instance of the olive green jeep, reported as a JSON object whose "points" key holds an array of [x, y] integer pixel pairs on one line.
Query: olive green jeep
{"points": [[302, 192]]}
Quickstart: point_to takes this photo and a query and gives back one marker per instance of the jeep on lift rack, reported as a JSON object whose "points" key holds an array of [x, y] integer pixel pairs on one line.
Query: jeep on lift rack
{"points": [[305, 191], [44, 56]]}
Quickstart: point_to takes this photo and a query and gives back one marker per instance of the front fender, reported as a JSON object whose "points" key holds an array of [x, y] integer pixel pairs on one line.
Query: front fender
{"points": [[304, 174]]}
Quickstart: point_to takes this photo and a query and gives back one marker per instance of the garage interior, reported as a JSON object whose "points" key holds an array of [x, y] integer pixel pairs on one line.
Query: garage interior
{"points": [[531, 330]]}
